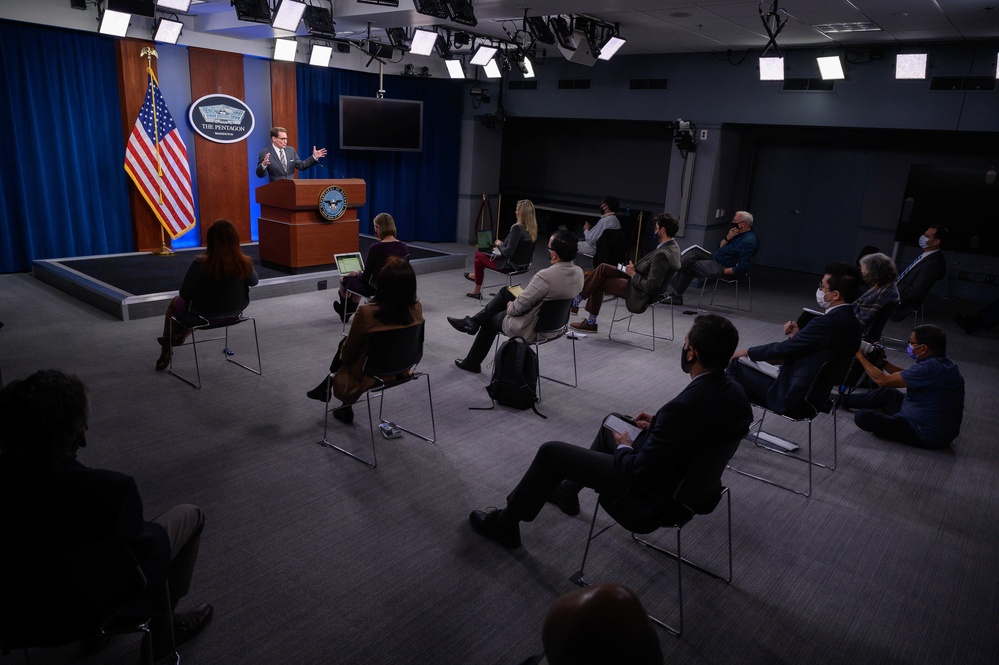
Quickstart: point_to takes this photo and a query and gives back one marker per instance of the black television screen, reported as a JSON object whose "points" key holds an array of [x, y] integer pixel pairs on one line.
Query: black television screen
{"points": [[368, 123]]}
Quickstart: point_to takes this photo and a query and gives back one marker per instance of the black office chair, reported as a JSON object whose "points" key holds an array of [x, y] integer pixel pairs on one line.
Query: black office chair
{"points": [[822, 397], [391, 361], [72, 597], [519, 263], [214, 305], [699, 493]]}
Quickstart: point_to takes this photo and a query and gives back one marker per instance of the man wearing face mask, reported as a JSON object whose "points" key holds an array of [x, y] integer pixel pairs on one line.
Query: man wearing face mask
{"points": [[608, 220], [915, 282], [638, 283], [832, 337], [929, 413], [514, 316], [637, 479], [733, 257]]}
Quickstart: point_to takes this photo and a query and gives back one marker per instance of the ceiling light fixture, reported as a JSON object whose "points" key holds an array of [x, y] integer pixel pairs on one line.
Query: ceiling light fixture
{"points": [[538, 27], [114, 23], [831, 68], [319, 21], [320, 55], [455, 68], [526, 67], [611, 46], [288, 15], [255, 11], [175, 5], [492, 69], [167, 30], [460, 11], [285, 49], [484, 54], [910, 66], [771, 69], [423, 42]]}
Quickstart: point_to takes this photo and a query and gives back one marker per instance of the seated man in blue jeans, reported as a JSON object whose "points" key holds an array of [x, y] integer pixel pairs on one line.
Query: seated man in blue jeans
{"points": [[732, 258], [51, 504], [929, 413]]}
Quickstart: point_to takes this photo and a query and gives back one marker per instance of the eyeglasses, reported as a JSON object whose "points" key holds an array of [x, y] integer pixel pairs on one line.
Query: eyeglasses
{"points": [[824, 287], [282, 138]]}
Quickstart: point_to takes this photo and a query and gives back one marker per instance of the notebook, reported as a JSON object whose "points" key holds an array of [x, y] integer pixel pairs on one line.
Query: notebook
{"points": [[348, 263], [484, 240]]}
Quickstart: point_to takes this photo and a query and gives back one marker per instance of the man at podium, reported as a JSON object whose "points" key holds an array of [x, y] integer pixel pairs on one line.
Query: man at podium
{"points": [[281, 160]]}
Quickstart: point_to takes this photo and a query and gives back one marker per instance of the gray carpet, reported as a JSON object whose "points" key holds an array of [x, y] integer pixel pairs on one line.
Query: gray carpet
{"points": [[310, 557]]}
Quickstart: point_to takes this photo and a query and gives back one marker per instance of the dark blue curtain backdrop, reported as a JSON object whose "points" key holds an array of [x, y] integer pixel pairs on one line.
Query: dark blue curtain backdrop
{"points": [[63, 183], [419, 189]]}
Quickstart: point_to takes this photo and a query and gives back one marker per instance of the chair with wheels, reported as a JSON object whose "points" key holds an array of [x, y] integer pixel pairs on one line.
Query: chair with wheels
{"points": [[391, 361], [822, 397], [660, 301], [79, 595], [519, 263], [699, 493], [728, 279]]}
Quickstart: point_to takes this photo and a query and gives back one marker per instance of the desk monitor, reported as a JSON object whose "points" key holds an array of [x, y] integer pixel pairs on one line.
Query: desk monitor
{"points": [[348, 263]]}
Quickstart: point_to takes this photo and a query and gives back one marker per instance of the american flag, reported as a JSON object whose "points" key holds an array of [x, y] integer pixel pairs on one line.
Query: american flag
{"points": [[156, 160]]}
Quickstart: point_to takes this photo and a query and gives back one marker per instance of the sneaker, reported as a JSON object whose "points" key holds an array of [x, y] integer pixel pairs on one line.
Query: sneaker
{"points": [[567, 502], [468, 367], [584, 326], [487, 523], [465, 325]]}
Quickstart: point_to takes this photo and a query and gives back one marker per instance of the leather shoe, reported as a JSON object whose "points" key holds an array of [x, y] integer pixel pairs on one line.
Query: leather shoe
{"points": [[164, 360], [468, 367], [469, 277], [186, 626], [584, 326], [344, 414], [320, 393], [567, 502], [574, 309], [338, 308], [673, 299], [465, 325], [487, 523]]}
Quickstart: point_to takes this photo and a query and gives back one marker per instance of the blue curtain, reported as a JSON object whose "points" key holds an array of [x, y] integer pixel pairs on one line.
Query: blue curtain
{"points": [[62, 183], [420, 190]]}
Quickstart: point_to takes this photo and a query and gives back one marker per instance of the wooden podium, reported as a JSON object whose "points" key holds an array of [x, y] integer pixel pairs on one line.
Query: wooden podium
{"points": [[291, 231]]}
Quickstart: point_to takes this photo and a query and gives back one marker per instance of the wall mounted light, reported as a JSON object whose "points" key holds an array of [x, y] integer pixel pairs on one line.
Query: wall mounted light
{"points": [[167, 30], [831, 68], [285, 49], [320, 55], [114, 23]]}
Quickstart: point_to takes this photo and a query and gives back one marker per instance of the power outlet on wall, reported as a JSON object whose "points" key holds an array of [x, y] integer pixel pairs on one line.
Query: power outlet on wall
{"points": [[704, 135]]}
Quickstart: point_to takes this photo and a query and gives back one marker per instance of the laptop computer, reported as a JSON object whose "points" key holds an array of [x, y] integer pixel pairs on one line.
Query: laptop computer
{"points": [[348, 263], [484, 241]]}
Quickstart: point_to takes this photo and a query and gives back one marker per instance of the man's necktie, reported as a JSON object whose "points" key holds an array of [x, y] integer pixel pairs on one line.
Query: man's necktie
{"points": [[284, 161], [908, 268]]}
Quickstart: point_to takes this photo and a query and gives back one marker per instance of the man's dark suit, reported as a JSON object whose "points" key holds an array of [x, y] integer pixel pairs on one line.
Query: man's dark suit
{"points": [[652, 273], [917, 282], [51, 511], [275, 170], [637, 484], [834, 336]]}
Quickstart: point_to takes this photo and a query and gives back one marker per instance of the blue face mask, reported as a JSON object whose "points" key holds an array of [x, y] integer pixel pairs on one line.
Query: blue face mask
{"points": [[912, 354], [923, 242]]}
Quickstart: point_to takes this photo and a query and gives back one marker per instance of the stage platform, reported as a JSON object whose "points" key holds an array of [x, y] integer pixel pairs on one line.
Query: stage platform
{"points": [[138, 285]]}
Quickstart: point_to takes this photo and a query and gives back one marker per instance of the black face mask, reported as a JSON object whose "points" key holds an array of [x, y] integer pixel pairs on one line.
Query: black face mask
{"points": [[685, 365]]}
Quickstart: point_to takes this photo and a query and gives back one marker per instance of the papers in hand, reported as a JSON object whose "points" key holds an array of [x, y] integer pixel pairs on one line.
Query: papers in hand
{"points": [[515, 290], [762, 366], [620, 426], [694, 247]]}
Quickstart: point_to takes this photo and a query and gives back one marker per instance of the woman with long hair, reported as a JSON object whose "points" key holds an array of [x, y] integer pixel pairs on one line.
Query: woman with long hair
{"points": [[526, 227], [359, 283], [217, 280], [395, 306]]}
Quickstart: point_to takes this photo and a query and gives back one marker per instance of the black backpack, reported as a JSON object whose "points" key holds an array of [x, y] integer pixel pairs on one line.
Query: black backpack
{"points": [[515, 376]]}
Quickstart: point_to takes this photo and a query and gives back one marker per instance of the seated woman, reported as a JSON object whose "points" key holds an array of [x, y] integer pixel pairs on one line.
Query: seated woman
{"points": [[395, 306], [217, 283], [525, 227], [879, 273], [360, 282]]}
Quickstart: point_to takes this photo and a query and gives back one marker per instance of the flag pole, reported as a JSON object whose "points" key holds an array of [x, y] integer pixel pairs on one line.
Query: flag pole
{"points": [[149, 53]]}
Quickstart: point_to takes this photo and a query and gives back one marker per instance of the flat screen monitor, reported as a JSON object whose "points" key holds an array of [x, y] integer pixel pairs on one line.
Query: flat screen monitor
{"points": [[368, 123]]}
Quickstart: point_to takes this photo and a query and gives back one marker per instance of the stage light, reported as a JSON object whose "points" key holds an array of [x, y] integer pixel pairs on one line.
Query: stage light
{"points": [[526, 67], [484, 54], [455, 69], [610, 47], [831, 68], [460, 11], [771, 69], [288, 14], [175, 5], [285, 49], [167, 30], [492, 69], [398, 38], [320, 56], [910, 66], [423, 42], [538, 27], [443, 49], [114, 23], [319, 21], [256, 11], [563, 33], [433, 8]]}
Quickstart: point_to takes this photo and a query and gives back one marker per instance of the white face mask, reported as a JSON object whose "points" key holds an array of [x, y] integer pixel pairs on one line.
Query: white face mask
{"points": [[820, 297], [923, 242]]}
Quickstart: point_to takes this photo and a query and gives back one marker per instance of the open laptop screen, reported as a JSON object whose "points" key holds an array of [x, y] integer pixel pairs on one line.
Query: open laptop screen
{"points": [[348, 263]]}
